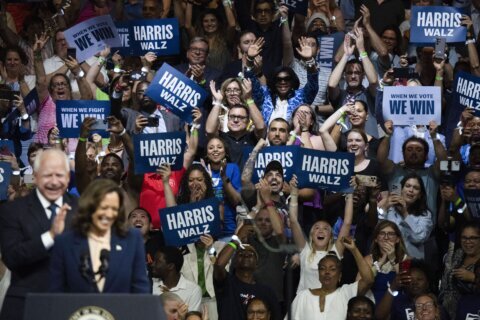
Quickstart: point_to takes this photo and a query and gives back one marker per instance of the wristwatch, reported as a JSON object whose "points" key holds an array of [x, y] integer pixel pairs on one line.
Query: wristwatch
{"points": [[81, 74], [24, 117], [393, 293]]}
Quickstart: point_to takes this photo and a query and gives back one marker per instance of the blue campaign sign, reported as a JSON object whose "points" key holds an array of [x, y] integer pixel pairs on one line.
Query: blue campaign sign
{"points": [[185, 223], [161, 36], [329, 44], [286, 155], [70, 115], [6, 147], [31, 101], [175, 91], [297, 6], [467, 91], [91, 36], [472, 199], [325, 170], [5, 174], [428, 23], [154, 149], [124, 35]]}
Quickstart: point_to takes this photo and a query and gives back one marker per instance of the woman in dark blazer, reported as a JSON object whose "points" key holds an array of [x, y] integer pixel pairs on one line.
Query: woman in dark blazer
{"points": [[100, 254]]}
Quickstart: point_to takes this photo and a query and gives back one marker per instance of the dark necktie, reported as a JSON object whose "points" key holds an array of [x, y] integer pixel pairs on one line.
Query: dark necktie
{"points": [[53, 209]]}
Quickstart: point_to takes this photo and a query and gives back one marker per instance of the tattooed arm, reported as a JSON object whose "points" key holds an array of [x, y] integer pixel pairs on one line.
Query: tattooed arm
{"points": [[248, 189]]}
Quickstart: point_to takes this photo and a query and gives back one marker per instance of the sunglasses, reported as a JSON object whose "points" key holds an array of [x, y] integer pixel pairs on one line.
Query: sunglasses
{"points": [[286, 79]]}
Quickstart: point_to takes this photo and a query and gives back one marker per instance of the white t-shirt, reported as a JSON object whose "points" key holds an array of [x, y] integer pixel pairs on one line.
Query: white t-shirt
{"points": [[306, 306], [309, 267]]}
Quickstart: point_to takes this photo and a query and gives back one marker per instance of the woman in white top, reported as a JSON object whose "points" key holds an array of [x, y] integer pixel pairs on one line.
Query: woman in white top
{"points": [[330, 302], [409, 211], [320, 240]]}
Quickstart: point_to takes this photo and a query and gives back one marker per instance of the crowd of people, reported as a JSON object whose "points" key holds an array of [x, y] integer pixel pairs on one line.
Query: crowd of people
{"points": [[403, 244]]}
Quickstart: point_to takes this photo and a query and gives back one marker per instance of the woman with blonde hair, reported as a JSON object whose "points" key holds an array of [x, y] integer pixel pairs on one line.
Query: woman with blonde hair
{"points": [[320, 241], [426, 307]]}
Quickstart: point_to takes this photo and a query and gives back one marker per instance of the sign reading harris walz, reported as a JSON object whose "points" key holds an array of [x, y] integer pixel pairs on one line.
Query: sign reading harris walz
{"points": [[325, 170], [177, 92], [161, 36], [429, 23]]}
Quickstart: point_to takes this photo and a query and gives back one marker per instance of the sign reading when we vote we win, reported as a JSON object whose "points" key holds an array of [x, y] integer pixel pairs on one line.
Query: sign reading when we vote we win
{"points": [[175, 91], [185, 223], [91, 36], [428, 23], [161, 36], [154, 149], [412, 105], [70, 115]]}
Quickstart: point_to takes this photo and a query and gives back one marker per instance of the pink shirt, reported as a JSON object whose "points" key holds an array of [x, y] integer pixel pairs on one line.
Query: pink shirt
{"points": [[46, 119]]}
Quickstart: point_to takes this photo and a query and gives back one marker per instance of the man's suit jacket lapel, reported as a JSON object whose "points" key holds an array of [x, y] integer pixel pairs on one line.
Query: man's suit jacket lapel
{"points": [[37, 212]]}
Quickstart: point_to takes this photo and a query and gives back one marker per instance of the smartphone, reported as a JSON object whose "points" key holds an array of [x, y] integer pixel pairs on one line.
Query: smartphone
{"points": [[72, 52], [100, 124], [153, 122], [412, 60], [8, 94], [247, 221], [405, 266], [455, 165], [402, 73], [440, 44], [367, 181], [28, 179]]}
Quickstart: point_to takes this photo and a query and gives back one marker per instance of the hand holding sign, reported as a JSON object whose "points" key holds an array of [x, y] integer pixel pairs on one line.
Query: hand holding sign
{"points": [[467, 22], [433, 128], [389, 127]]}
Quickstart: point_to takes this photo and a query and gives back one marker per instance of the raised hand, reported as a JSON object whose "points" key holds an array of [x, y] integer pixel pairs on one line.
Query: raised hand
{"points": [[365, 15], [196, 115], [165, 172], [247, 88], [87, 124], [348, 46], [305, 51], [114, 125], [148, 59], [217, 94], [105, 52], [72, 65], [40, 42], [389, 127], [255, 48]]}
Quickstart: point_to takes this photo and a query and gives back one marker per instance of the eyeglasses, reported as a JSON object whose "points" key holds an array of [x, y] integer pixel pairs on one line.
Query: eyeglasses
{"points": [[233, 117], [471, 239], [426, 305], [389, 235], [198, 50], [286, 79], [59, 84], [234, 90]]}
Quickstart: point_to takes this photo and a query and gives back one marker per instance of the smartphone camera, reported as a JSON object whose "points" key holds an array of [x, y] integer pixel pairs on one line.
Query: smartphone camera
{"points": [[153, 122]]}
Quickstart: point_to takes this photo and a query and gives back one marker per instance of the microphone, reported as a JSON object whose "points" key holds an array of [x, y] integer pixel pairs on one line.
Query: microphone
{"points": [[104, 263], [85, 269]]}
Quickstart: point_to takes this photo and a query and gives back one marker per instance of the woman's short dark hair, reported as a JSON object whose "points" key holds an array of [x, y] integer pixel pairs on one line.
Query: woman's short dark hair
{"points": [[90, 201], [360, 132], [398, 37], [419, 207], [184, 191], [313, 127], [332, 256], [264, 302], [225, 146], [360, 299], [193, 313]]}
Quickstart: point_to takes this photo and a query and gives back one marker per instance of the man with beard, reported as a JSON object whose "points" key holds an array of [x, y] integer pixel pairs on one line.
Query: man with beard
{"points": [[111, 167], [137, 121], [58, 88]]}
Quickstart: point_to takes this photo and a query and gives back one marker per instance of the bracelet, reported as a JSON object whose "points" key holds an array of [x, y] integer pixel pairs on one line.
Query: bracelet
{"points": [[117, 68], [226, 181], [363, 54], [101, 60], [439, 78], [123, 132], [377, 266], [470, 41], [283, 20], [250, 102], [233, 245], [82, 139], [310, 63], [393, 293], [202, 82], [194, 133]]}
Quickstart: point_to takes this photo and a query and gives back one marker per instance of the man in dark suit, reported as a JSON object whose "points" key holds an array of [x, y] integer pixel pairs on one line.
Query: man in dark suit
{"points": [[28, 227]]}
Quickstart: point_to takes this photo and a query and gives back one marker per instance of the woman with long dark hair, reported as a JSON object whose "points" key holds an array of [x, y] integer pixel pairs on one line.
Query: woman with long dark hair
{"points": [[109, 255], [409, 211]]}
